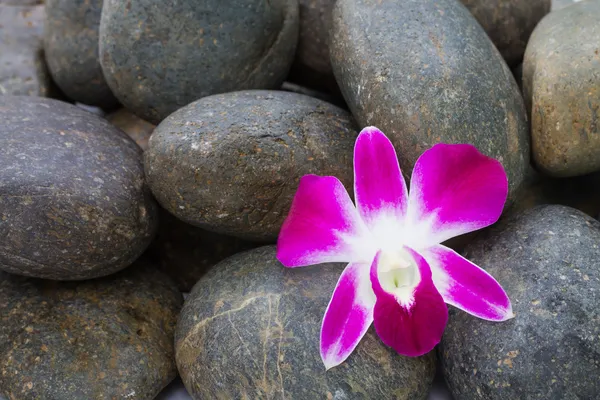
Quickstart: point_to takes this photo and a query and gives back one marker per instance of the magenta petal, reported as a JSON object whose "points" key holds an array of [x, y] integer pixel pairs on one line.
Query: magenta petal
{"points": [[379, 186], [348, 316], [322, 226], [413, 328], [455, 190], [466, 286]]}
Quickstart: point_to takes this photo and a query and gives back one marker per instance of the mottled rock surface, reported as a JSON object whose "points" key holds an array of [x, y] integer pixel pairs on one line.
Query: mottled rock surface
{"points": [[108, 338], [509, 23], [562, 90], [311, 66], [71, 47], [425, 72], [185, 252], [23, 69], [548, 261], [231, 163], [558, 4], [73, 202], [155, 66], [137, 129], [250, 328]]}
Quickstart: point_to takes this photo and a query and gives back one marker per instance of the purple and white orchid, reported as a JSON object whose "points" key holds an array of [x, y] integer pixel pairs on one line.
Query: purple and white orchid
{"points": [[399, 276]]}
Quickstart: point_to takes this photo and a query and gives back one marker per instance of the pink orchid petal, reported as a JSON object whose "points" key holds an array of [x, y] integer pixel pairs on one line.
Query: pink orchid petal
{"points": [[322, 226], [455, 190], [411, 328], [466, 286], [379, 187], [348, 315]]}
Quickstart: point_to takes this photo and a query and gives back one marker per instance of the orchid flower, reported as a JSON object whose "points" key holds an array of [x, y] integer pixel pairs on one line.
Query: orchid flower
{"points": [[399, 275]]}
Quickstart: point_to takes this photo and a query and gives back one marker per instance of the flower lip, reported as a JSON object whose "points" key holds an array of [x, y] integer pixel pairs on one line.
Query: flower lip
{"points": [[398, 274]]}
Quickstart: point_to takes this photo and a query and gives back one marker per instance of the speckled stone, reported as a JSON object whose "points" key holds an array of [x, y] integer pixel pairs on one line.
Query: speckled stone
{"points": [[185, 252], [160, 56], [509, 23], [548, 261], [425, 72], [311, 66], [71, 47], [250, 329], [73, 202], [558, 4], [22, 2], [231, 163], [137, 129], [109, 338], [562, 90], [23, 69]]}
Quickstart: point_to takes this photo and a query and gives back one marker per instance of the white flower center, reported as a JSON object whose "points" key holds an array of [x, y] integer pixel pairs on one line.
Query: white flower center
{"points": [[398, 274]]}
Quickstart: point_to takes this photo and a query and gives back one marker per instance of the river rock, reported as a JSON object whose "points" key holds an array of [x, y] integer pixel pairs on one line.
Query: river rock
{"points": [[562, 90], [108, 338], [231, 163], [250, 328], [509, 23], [137, 129], [558, 4], [23, 69], [71, 46], [548, 261], [311, 66], [425, 72], [185, 252], [73, 202], [160, 56]]}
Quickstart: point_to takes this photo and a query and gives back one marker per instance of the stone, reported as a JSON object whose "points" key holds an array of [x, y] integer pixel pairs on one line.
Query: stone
{"points": [[580, 192], [108, 338], [425, 72], [71, 47], [562, 91], [509, 23], [231, 163], [137, 129], [558, 4], [548, 261], [22, 2], [23, 69], [325, 96], [250, 328], [73, 201], [311, 66], [160, 66], [185, 252]]}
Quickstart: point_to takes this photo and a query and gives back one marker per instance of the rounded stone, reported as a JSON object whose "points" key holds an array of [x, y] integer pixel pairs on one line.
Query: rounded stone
{"points": [[250, 328], [311, 66], [108, 338], [231, 163], [160, 56], [71, 47], [185, 252], [137, 129], [548, 261], [425, 72], [509, 23], [562, 90], [73, 202], [23, 69]]}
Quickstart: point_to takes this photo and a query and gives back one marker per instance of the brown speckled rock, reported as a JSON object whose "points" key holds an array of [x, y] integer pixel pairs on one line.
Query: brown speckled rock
{"points": [[185, 252], [159, 56], [311, 66], [548, 261], [73, 202], [425, 72], [137, 129], [109, 338], [71, 47], [562, 90], [509, 23], [231, 163], [23, 69], [250, 329]]}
